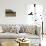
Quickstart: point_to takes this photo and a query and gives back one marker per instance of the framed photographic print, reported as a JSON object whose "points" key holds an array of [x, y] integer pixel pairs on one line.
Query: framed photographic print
{"points": [[10, 13]]}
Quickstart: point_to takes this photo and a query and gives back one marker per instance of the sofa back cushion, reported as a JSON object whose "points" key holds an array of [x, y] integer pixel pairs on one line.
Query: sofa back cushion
{"points": [[30, 29], [9, 28], [38, 29], [20, 28], [1, 30]]}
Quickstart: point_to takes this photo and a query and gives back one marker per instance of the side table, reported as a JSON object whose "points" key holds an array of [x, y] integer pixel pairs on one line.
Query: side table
{"points": [[25, 43]]}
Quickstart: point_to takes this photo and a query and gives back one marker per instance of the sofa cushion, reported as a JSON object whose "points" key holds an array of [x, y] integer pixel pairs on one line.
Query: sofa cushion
{"points": [[21, 29], [37, 30], [1, 30], [30, 29], [9, 28]]}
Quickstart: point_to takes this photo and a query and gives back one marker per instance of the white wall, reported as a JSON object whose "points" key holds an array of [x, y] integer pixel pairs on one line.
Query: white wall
{"points": [[16, 5], [19, 6]]}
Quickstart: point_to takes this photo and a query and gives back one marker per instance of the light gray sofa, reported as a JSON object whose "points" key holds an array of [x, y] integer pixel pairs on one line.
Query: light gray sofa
{"points": [[19, 31]]}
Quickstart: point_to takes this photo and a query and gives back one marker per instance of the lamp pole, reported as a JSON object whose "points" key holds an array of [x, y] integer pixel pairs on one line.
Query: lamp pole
{"points": [[42, 26]]}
